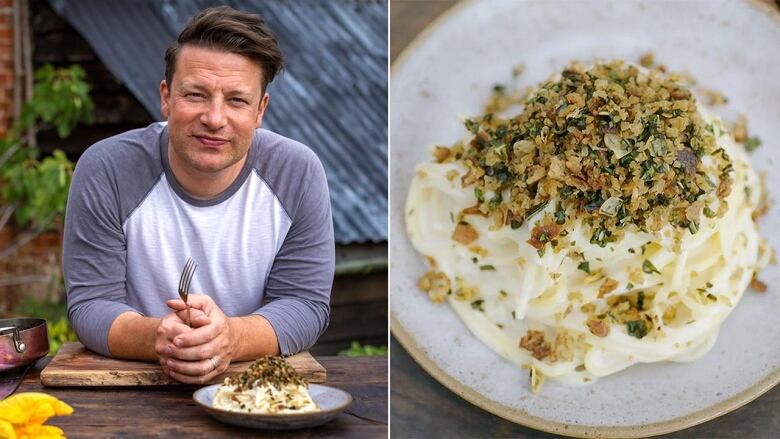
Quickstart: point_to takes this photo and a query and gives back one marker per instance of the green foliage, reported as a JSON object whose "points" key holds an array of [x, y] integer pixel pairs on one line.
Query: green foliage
{"points": [[358, 350], [60, 99], [56, 316], [59, 333], [39, 188]]}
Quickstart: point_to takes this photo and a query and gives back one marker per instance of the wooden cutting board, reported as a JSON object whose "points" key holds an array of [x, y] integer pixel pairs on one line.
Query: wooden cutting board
{"points": [[75, 365]]}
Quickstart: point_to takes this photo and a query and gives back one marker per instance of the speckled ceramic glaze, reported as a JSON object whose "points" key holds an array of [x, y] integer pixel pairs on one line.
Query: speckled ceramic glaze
{"points": [[331, 402], [447, 73]]}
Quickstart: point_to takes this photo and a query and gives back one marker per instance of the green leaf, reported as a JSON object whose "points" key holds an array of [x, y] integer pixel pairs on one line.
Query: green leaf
{"points": [[649, 268]]}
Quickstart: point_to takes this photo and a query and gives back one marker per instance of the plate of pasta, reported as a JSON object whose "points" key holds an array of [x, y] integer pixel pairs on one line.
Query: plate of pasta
{"points": [[271, 395], [580, 219]]}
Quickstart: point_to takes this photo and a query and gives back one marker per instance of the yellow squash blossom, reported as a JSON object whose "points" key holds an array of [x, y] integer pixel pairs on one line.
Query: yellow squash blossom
{"points": [[22, 416]]}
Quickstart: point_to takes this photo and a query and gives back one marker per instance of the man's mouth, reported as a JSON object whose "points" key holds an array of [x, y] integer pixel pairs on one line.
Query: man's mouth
{"points": [[211, 141]]}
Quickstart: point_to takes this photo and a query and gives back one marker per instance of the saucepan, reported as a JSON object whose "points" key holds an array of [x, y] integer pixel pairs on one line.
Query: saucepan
{"points": [[22, 342]]}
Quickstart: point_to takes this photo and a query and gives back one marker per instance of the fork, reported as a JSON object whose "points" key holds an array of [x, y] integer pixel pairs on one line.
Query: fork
{"points": [[184, 284]]}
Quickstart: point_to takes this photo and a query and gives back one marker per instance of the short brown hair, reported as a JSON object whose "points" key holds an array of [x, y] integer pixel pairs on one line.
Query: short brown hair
{"points": [[228, 29]]}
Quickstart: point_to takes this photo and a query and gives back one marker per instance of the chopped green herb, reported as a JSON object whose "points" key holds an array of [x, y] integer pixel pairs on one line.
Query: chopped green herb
{"points": [[495, 201], [640, 300], [503, 293], [487, 268], [513, 315], [637, 328], [584, 266], [751, 143], [479, 195], [472, 126], [477, 305], [629, 286], [536, 209], [649, 268]]}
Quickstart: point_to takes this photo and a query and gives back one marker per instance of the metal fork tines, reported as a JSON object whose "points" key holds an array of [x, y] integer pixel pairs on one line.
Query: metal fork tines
{"points": [[184, 284]]}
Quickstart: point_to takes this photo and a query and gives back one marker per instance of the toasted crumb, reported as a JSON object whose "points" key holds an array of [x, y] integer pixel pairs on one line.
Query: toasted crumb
{"points": [[436, 284], [465, 234], [615, 145], [563, 348], [607, 287], [647, 60], [441, 154], [534, 341], [465, 291], [757, 285], [714, 97], [598, 327], [541, 235], [269, 369], [739, 129]]}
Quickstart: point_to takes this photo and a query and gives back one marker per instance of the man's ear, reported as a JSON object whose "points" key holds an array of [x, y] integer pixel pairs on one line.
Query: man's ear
{"points": [[165, 96], [261, 109]]}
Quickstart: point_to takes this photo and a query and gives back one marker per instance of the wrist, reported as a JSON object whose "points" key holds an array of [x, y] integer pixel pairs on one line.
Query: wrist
{"points": [[233, 324]]}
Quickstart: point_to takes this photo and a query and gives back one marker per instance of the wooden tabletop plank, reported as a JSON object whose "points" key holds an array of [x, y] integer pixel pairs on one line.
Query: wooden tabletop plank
{"points": [[170, 410]]}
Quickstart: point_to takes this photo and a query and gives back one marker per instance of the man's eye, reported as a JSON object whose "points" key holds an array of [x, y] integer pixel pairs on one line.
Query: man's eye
{"points": [[194, 95], [238, 100]]}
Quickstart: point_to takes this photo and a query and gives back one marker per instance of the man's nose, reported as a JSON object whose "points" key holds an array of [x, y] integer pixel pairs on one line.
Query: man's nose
{"points": [[214, 115]]}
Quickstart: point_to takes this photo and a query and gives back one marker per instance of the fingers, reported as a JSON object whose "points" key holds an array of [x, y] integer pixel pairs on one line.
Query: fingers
{"points": [[187, 379], [195, 372], [196, 301], [192, 368], [168, 329], [196, 337], [198, 317]]}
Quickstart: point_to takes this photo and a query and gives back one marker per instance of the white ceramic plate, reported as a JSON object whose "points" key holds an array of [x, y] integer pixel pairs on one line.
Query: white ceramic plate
{"points": [[447, 73], [330, 400]]}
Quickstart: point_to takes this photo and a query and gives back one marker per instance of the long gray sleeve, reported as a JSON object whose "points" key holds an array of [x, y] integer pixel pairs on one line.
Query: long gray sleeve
{"points": [[297, 293], [94, 256]]}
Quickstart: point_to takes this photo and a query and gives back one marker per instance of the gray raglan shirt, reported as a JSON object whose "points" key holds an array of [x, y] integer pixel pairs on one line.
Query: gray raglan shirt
{"points": [[264, 246]]}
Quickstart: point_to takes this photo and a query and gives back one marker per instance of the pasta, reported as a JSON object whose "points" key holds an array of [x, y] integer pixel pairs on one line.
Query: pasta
{"points": [[269, 386], [565, 257]]}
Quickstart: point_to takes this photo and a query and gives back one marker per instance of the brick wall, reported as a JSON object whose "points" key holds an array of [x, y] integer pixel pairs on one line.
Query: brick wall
{"points": [[6, 65]]}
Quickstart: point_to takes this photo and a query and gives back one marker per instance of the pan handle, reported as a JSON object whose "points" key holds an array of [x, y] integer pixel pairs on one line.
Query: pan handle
{"points": [[18, 343]]}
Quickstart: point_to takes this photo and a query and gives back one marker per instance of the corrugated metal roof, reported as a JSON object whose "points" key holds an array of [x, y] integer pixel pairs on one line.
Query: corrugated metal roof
{"points": [[332, 95]]}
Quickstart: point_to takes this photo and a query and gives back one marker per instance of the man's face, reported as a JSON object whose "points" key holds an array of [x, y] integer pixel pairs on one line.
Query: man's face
{"points": [[213, 106]]}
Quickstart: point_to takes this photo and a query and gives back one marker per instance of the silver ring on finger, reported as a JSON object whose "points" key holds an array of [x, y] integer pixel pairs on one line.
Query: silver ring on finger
{"points": [[213, 362]]}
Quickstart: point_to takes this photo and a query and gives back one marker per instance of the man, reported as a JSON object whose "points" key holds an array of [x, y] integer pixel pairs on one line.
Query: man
{"points": [[249, 206]]}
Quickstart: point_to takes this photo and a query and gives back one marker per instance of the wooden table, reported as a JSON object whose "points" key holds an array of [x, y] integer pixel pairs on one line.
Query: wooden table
{"points": [[423, 408], [169, 411]]}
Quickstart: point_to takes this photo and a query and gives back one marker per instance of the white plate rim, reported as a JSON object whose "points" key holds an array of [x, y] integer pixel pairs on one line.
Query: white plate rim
{"points": [[520, 417]]}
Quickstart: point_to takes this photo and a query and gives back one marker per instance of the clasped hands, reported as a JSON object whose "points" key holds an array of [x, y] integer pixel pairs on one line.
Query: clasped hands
{"points": [[194, 355]]}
